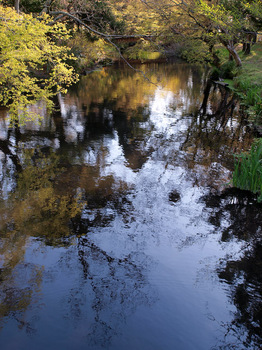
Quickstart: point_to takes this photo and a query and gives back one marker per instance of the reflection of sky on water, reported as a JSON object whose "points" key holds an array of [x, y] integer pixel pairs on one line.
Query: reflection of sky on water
{"points": [[141, 271]]}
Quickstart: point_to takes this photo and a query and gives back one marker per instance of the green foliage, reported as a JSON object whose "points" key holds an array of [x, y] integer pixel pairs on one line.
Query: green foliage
{"points": [[215, 73], [143, 50], [248, 170], [253, 9], [32, 6], [104, 17], [251, 97], [250, 94], [222, 53], [33, 66], [248, 84], [139, 16], [90, 52], [96, 13], [225, 22], [195, 51], [228, 70], [211, 23]]}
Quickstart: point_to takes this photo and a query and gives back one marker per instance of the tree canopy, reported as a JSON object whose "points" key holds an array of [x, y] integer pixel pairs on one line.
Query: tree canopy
{"points": [[35, 56], [33, 63]]}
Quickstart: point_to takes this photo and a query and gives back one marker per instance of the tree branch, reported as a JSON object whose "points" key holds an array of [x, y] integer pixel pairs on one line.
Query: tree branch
{"points": [[107, 37], [61, 14]]}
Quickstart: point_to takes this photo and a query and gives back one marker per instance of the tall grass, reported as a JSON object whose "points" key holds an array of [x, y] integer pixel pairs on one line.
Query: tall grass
{"points": [[247, 174], [250, 96]]}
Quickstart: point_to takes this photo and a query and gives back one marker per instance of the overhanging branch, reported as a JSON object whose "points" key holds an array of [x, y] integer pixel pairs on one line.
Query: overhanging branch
{"points": [[107, 37]]}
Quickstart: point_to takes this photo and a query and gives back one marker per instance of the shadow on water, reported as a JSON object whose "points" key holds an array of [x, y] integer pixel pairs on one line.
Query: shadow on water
{"points": [[243, 273], [101, 204]]}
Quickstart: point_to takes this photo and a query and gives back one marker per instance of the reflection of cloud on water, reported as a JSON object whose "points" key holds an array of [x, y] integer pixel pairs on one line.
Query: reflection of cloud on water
{"points": [[161, 100], [144, 233], [73, 121]]}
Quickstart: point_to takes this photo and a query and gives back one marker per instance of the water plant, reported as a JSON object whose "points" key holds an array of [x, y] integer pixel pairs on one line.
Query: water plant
{"points": [[247, 174]]}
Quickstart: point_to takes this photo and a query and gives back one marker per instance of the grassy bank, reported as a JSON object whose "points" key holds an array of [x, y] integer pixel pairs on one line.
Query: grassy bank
{"points": [[247, 84]]}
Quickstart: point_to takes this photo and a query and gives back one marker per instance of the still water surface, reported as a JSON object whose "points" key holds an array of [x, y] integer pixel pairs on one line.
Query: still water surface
{"points": [[118, 229]]}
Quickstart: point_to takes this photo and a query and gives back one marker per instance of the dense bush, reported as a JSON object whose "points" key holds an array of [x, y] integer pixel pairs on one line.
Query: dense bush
{"points": [[248, 170]]}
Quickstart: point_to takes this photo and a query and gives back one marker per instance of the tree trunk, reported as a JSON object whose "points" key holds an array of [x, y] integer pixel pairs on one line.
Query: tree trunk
{"points": [[216, 59], [248, 48], [251, 39], [254, 38], [234, 54], [17, 6]]}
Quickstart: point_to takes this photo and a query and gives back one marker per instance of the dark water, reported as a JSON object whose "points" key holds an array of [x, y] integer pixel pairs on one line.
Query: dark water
{"points": [[118, 227]]}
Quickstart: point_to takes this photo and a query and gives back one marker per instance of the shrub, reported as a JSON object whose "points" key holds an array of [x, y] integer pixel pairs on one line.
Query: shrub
{"points": [[247, 174], [228, 70]]}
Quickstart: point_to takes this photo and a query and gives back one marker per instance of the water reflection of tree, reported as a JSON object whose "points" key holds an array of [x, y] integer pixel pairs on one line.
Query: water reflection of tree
{"points": [[243, 274], [219, 126], [46, 198], [116, 288], [35, 208], [9, 149], [129, 91], [20, 284], [214, 134], [36, 205], [45, 204], [120, 102]]}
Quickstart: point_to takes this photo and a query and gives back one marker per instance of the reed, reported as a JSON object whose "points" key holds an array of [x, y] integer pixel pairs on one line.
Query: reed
{"points": [[247, 174]]}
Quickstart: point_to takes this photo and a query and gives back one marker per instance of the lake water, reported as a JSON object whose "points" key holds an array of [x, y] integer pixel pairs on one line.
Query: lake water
{"points": [[119, 227]]}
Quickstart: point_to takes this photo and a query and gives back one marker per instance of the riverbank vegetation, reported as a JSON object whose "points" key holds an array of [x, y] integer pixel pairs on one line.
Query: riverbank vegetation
{"points": [[248, 170], [246, 83], [105, 30], [33, 66], [45, 44]]}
